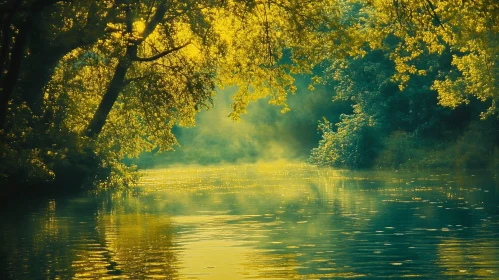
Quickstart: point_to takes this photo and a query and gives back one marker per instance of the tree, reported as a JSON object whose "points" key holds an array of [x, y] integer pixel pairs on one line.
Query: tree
{"points": [[439, 51], [166, 65], [142, 67], [468, 29], [42, 32]]}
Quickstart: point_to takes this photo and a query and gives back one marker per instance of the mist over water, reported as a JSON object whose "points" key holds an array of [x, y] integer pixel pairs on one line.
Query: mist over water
{"points": [[263, 134]]}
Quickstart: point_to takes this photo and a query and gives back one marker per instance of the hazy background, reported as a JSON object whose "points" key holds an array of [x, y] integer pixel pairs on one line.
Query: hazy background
{"points": [[263, 134]]}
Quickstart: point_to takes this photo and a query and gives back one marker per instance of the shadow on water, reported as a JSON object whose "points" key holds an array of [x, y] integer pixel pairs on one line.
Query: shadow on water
{"points": [[263, 221]]}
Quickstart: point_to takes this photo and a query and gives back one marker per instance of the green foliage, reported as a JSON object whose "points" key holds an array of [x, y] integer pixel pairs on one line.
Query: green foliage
{"points": [[57, 160], [474, 148], [20, 161], [406, 128], [354, 144], [113, 78], [398, 148], [468, 29]]}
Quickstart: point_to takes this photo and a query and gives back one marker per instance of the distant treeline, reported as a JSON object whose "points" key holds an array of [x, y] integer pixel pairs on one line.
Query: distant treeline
{"points": [[404, 129]]}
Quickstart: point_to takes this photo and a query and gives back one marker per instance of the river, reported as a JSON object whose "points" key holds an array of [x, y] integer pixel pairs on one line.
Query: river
{"points": [[262, 221]]}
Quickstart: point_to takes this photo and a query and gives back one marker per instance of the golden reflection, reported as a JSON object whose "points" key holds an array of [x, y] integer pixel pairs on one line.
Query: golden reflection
{"points": [[264, 221], [214, 259], [460, 258], [139, 245]]}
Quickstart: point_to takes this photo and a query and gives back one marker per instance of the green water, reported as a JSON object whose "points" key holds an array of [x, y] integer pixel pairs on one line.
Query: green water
{"points": [[266, 221]]}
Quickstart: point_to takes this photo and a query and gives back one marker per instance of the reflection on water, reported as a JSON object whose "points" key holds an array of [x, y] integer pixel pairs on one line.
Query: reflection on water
{"points": [[270, 221]]}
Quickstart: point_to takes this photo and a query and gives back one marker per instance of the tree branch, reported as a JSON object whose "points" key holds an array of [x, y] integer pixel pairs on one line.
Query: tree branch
{"points": [[161, 54], [431, 9], [128, 81], [155, 20]]}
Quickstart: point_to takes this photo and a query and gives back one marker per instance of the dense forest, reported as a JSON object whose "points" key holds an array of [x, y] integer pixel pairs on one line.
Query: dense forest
{"points": [[86, 86]]}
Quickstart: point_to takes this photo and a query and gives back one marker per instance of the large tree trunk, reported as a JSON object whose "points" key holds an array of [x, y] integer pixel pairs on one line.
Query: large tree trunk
{"points": [[45, 54], [32, 73], [37, 72], [118, 82], [7, 38], [110, 96], [10, 79]]}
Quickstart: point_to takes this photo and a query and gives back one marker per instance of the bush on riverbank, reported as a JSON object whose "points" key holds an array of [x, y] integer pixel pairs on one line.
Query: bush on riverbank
{"points": [[473, 149], [38, 158]]}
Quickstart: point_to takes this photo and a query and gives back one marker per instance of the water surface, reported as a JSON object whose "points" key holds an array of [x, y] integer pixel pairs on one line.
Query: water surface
{"points": [[263, 221]]}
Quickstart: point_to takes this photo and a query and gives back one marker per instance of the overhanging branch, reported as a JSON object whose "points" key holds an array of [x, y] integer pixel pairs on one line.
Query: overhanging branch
{"points": [[161, 54]]}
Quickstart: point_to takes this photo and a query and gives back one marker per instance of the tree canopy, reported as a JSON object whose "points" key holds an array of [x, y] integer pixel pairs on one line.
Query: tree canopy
{"points": [[418, 55], [110, 79], [466, 29]]}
